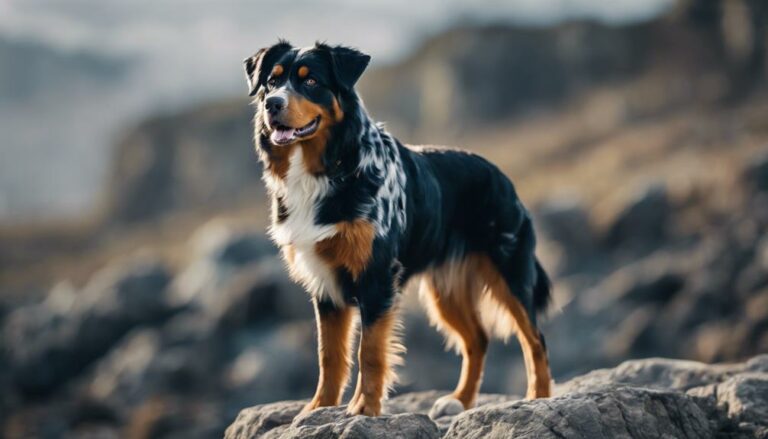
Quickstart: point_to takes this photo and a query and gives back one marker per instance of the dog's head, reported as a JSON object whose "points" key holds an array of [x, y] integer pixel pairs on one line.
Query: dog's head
{"points": [[302, 93]]}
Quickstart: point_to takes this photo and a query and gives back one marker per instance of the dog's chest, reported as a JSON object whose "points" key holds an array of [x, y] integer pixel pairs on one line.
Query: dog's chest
{"points": [[299, 193], [295, 229]]}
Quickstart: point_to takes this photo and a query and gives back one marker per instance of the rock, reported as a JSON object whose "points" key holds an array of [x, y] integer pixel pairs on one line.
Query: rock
{"points": [[261, 294], [145, 364], [658, 373], [51, 342], [642, 224], [174, 417], [565, 221], [617, 318], [405, 416], [279, 421], [272, 364], [611, 413], [755, 173], [655, 280], [758, 364], [126, 368], [269, 420], [317, 425], [743, 397], [184, 161], [440, 408], [224, 245], [639, 399], [236, 279]]}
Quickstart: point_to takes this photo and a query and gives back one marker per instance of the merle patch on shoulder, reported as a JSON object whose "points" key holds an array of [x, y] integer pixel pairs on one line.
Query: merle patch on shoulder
{"points": [[357, 214]]}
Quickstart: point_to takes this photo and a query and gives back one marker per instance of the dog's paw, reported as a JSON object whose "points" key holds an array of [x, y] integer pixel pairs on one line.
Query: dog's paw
{"points": [[447, 405], [360, 406]]}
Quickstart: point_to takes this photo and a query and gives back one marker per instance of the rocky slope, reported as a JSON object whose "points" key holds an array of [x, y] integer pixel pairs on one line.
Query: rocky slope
{"points": [[145, 349], [639, 399]]}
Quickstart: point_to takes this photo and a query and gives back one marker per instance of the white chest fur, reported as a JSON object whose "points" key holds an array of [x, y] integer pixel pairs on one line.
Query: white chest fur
{"points": [[300, 193]]}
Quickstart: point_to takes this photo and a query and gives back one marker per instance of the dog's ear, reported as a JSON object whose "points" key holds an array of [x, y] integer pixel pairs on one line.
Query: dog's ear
{"points": [[258, 65], [348, 65], [252, 66]]}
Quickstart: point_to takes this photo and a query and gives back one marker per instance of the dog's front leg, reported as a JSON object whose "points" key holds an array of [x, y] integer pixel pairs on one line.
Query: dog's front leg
{"points": [[377, 355], [334, 329]]}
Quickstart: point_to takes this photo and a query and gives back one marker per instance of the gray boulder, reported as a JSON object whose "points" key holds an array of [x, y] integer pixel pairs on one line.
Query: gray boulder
{"points": [[612, 412], [264, 421], [280, 421], [405, 416], [565, 221], [145, 364], [755, 173], [51, 342], [657, 373], [236, 279], [741, 400], [184, 161], [639, 399], [642, 224]]}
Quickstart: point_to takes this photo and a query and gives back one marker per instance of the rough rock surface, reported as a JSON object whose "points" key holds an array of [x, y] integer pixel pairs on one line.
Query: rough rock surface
{"points": [[51, 342], [639, 399]]}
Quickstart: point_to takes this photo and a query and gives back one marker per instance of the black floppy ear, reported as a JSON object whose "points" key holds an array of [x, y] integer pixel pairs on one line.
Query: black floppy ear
{"points": [[258, 65], [348, 65], [251, 66]]}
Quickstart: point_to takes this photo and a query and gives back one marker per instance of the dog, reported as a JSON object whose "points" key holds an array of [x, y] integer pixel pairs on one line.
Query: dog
{"points": [[357, 214]]}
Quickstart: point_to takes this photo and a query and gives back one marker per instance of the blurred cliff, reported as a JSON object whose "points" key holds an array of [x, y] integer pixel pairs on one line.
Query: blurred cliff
{"points": [[642, 150]]}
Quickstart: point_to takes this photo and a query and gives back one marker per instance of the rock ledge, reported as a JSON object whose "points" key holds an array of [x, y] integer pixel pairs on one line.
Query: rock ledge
{"points": [[638, 399]]}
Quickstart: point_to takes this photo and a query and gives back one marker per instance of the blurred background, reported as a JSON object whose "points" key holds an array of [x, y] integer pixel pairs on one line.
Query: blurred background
{"points": [[139, 297]]}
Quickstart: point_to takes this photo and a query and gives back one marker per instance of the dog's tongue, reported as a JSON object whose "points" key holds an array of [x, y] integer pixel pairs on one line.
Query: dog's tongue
{"points": [[282, 135]]}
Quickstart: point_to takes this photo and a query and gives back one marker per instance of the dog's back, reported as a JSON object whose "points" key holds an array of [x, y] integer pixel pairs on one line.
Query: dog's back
{"points": [[483, 214]]}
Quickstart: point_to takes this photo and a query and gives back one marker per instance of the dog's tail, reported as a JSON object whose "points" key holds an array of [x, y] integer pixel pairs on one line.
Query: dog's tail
{"points": [[526, 276], [542, 289]]}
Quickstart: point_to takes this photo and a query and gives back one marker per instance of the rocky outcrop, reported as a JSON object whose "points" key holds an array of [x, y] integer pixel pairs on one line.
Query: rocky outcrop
{"points": [[179, 352], [643, 221], [639, 399], [184, 161], [51, 342], [277, 420]]}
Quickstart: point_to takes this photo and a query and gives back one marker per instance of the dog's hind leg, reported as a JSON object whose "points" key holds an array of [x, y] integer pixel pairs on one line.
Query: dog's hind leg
{"points": [[531, 340], [451, 295], [334, 330]]}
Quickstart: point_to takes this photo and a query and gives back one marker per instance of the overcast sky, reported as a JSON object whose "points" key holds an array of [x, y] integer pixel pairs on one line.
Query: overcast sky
{"points": [[386, 27]]}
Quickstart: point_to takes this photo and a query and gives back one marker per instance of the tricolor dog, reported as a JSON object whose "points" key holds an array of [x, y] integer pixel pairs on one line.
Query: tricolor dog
{"points": [[357, 214]]}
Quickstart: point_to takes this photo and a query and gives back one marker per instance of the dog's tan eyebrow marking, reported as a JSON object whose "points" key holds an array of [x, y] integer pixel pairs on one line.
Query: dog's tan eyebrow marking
{"points": [[277, 70], [303, 71]]}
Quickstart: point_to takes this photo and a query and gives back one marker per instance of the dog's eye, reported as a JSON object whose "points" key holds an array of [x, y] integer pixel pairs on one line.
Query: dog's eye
{"points": [[310, 82], [272, 82]]}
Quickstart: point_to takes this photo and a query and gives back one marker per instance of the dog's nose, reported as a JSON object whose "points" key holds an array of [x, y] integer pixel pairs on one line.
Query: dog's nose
{"points": [[274, 104]]}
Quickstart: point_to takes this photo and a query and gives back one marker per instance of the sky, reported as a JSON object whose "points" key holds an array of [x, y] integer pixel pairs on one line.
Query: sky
{"points": [[189, 51], [385, 27]]}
